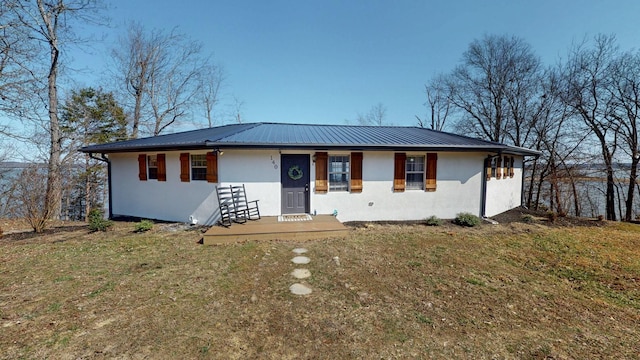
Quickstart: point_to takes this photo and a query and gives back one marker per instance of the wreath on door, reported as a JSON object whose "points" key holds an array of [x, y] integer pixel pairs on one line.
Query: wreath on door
{"points": [[295, 173]]}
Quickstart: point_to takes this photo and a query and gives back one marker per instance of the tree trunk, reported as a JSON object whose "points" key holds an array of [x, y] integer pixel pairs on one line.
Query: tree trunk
{"points": [[610, 193], [534, 169], [539, 191], [576, 201], [136, 114], [633, 175], [87, 189], [53, 194]]}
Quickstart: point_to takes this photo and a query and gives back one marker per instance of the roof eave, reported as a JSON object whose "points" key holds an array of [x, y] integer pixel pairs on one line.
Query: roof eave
{"points": [[369, 147]]}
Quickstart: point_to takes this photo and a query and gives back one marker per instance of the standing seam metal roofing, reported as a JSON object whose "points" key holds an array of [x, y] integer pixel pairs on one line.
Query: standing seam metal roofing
{"points": [[280, 135]]}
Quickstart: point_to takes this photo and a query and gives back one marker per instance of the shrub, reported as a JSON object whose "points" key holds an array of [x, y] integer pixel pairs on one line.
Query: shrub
{"points": [[144, 225], [552, 216], [600, 218], [97, 222], [0, 232], [466, 219], [433, 221], [527, 218]]}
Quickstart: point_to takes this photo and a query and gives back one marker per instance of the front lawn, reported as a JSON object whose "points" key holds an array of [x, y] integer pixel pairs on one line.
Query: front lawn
{"points": [[524, 291]]}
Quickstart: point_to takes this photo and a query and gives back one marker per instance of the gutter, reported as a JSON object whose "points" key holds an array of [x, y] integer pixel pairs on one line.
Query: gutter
{"points": [[105, 159]]}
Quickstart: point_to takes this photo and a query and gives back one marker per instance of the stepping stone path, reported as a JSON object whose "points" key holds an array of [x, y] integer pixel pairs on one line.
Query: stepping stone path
{"points": [[301, 260], [301, 273], [297, 288]]}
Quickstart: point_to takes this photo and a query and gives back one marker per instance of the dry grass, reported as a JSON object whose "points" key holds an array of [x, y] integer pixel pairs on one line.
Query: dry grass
{"points": [[507, 291]]}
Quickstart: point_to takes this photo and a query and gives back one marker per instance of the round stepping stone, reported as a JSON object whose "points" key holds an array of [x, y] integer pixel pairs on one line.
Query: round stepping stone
{"points": [[300, 289], [301, 273], [300, 251], [301, 260]]}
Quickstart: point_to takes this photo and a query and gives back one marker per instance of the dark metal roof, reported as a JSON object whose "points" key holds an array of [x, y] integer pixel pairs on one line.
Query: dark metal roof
{"points": [[301, 136]]}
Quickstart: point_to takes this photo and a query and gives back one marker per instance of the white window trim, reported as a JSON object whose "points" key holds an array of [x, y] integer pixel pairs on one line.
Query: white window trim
{"points": [[407, 172], [347, 172], [191, 166], [149, 166]]}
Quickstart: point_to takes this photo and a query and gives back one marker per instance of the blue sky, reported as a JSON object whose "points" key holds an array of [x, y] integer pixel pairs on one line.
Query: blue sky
{"points": [[326, 61]]}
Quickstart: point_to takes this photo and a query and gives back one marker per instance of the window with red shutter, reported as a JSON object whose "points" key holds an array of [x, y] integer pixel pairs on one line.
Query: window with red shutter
{"points": [[142, 167], [398, 172], [356, 172], [162, 167], [321, 172], [212, 167], [432, 166], [184, 167]]}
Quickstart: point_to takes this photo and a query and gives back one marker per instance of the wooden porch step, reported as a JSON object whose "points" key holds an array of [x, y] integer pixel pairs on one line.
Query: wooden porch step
{"points": [[268, 228]]}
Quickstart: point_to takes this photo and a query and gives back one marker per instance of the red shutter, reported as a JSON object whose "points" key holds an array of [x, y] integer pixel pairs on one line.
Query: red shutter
{"points": [[212, 167], [142, 167], [512, 172], [162, 168], [321, 172], [432, 166], [506, 166], [499, 167], [356, 172], [399, 181], [184, 167]]}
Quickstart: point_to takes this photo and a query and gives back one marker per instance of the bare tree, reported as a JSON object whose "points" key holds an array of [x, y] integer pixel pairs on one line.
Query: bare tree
{"points": [[162, 74], [46, 26], [624, 92], [587, 75], [491, 87], [236, 110], [211, 80], [555, 136], [14, 52], [376, 116], [438, 104]]}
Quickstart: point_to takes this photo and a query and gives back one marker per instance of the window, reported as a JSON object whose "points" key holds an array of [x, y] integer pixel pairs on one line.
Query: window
{"points": [[415, 172], [199, 167], [152, 166], [508, 166], [339, 173], [494, 167]]}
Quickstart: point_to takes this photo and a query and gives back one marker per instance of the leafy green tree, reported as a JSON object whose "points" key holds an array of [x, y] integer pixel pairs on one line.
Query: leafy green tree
{"points": [[90, 116]]}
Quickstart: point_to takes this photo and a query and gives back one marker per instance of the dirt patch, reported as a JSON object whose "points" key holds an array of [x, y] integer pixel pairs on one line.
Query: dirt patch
{"points": [[524, 215]]}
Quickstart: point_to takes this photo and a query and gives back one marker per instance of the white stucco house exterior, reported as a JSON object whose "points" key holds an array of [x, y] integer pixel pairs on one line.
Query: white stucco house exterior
{"points": [[359, 173]]}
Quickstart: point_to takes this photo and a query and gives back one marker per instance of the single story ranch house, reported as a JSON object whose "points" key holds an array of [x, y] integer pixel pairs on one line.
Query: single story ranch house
{"points": [[358, 173]]}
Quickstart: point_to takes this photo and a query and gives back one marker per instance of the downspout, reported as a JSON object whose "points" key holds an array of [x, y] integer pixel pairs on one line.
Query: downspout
{"points": [[103, 157]]}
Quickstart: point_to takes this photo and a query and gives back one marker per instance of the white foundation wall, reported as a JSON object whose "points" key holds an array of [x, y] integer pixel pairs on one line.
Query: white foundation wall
{"points": [[505, 194], [459, 177], [173, 200]]}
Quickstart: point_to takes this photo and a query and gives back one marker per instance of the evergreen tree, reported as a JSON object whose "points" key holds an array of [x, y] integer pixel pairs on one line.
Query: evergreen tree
{"points": [[89, 116]]}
